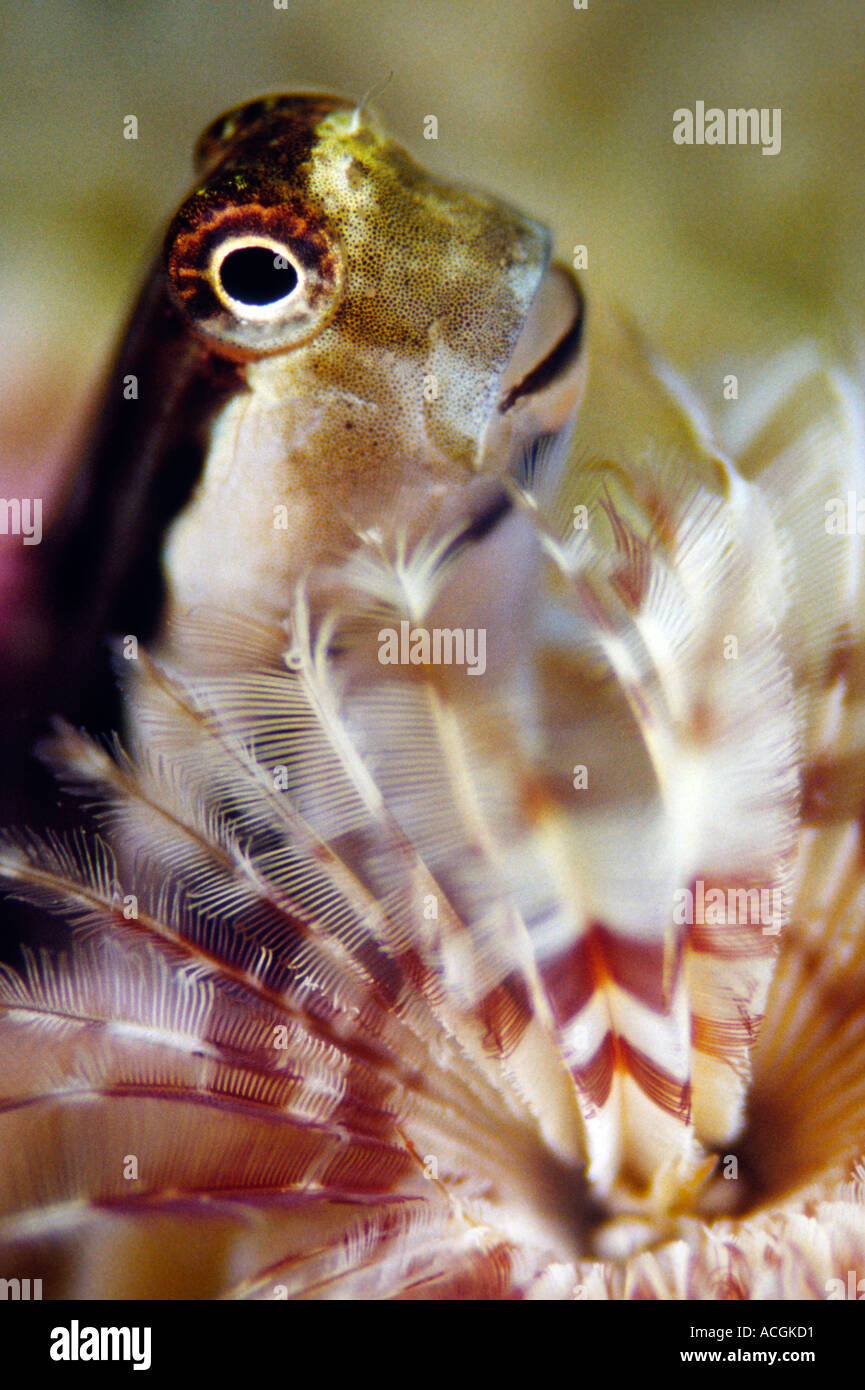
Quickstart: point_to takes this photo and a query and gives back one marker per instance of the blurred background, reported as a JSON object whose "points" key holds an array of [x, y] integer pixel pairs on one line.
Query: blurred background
{"points": [[566, 112]]}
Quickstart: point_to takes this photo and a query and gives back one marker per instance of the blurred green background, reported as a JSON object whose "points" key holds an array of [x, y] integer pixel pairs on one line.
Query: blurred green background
{"points": [[565, 112]]}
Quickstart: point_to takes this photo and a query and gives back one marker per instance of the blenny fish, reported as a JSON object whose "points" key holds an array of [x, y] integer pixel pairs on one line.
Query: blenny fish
{"points": [[472, 904]]}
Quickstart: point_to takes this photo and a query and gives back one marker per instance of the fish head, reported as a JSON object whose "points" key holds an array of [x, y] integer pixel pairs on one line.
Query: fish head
{"points": [[399, 342]]}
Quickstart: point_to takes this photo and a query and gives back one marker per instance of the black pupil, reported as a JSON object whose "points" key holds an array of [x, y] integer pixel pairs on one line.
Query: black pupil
{"points": [[257, 275]]}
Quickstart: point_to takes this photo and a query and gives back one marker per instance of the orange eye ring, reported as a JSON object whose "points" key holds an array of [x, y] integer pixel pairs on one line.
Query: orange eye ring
{"points": [[253, 279]]}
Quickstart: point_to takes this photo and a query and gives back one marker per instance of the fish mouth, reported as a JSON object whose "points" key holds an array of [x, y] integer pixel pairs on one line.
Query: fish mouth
{"points": [[542, 383], [538, 395]]}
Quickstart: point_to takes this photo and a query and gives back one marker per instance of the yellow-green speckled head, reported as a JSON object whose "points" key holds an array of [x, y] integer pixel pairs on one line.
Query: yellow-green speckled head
{"points": [[374, 315]]}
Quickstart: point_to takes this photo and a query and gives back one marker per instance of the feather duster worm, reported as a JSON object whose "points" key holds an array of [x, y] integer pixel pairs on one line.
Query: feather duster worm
{"points": [[395, 973]]}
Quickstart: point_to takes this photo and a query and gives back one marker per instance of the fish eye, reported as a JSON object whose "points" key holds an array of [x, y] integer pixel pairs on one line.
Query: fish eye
{"points": [[254, 278]]}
